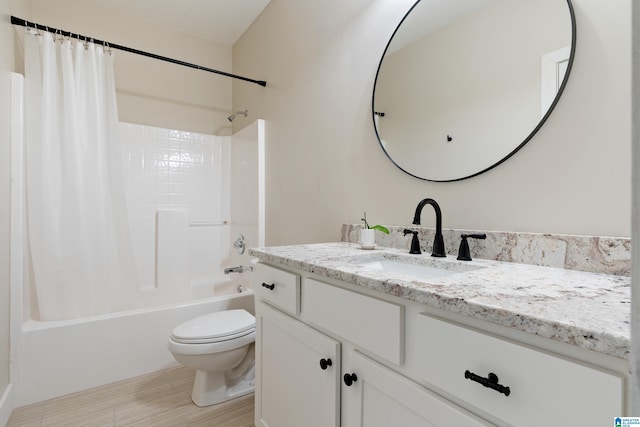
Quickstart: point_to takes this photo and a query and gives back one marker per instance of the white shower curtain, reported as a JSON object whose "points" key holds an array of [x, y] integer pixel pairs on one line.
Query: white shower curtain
{"points": [[77, 222]]}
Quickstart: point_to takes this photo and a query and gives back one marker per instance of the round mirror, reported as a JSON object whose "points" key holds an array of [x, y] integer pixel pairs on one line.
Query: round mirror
{"points": [[464, 84]]}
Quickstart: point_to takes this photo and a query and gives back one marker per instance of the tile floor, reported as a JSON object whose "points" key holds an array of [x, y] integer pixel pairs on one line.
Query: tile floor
{"points": [[160, 399]]}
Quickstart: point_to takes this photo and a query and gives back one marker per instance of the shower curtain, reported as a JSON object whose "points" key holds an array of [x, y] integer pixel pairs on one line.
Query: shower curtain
{"points": [[77, 223]]}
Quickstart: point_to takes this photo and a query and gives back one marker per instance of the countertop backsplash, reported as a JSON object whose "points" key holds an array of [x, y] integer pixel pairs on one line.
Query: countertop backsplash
{"points": [[608, 255]]}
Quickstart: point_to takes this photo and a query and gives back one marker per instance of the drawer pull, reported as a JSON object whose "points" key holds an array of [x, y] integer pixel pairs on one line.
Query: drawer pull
{"points": [[350, 379], [325, 363], [270, 287], [490, 382]]}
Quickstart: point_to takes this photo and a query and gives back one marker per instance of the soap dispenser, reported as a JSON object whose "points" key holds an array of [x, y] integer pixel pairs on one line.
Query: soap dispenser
{"points": [[415, 243]]}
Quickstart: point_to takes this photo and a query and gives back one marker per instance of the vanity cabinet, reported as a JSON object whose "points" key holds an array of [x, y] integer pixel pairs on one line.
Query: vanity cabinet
{"points": [[330, 354], [280, 288], [297, 367], [371, 324], [298, 373], [382, 398], [517, 384]]}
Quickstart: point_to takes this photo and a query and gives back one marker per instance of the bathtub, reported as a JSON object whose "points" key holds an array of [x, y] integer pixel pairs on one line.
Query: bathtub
{"points": [[97, 350]]}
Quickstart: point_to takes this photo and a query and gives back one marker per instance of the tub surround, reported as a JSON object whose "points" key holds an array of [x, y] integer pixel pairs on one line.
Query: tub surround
{"points": [[595, 254], [585, 309]]}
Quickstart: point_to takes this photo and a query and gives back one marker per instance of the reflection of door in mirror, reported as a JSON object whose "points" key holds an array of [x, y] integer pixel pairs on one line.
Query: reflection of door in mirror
{"points": [[553, 67]]}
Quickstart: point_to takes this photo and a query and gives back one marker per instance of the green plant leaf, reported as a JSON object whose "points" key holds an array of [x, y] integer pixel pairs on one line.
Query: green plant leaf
{"points": [[375, 227], [384, 229]]}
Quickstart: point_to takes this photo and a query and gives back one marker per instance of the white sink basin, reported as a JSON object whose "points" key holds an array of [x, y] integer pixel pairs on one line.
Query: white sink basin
{"points": [[420, 267], [415, 270]]}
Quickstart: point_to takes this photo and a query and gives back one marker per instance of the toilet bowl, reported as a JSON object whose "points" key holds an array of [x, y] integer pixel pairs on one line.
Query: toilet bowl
{"points": [[220, 347]]}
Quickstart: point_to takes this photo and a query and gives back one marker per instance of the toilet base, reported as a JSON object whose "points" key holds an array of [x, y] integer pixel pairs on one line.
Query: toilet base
{"points": [[211, 388]]}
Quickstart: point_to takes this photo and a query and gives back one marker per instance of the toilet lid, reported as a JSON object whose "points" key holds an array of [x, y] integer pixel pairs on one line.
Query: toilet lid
{"points": [[219, 326]]}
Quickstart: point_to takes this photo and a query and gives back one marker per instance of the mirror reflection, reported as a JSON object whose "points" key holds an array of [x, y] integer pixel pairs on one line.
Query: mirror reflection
{"points": [[463, 84]]}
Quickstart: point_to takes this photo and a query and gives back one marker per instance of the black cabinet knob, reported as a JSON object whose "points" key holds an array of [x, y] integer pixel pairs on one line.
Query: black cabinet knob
{"points": [[350, 379], [325, 363], [270, 287]]}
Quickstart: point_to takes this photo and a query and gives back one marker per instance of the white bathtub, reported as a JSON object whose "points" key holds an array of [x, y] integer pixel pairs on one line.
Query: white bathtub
{"points": [[61, 357]]}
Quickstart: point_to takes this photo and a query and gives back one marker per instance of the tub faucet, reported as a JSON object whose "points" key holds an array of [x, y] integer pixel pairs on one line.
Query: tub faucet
{"points": [[238, 269], [438, 241]]}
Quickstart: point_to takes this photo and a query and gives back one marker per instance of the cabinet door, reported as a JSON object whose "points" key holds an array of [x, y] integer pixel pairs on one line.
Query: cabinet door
{"points": [[380, 397], [543, 389], [292, 388]]}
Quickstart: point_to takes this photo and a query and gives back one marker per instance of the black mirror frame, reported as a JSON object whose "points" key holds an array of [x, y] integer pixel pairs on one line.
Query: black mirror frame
{"points": [[527, 139]]}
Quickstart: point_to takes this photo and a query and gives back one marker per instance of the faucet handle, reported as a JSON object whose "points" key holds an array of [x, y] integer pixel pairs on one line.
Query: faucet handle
{"points": [[464, 254], [415, 242]]}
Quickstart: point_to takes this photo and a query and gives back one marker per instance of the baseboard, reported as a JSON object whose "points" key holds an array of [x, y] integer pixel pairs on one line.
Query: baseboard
{"points": [[6, 405]]}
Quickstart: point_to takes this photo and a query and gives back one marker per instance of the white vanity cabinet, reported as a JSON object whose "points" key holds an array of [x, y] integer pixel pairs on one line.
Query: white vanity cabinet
{"points": [[330, 354], [298, 373], [297, 367], [380, 397], [515, 383]]}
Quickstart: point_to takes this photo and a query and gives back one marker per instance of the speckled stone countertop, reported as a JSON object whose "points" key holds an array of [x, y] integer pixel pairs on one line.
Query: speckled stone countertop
{"points": [[588, 310]]}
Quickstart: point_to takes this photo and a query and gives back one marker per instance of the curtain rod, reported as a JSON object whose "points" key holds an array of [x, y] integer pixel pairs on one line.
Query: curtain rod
{"points": [[23, 23]]}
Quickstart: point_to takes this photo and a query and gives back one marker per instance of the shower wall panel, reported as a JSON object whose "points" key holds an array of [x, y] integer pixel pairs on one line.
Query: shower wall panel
{"points": [[178, 200]]}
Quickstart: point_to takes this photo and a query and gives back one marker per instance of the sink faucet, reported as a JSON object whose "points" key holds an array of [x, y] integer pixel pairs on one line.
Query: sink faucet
{"points": [[415, 243], [438, 241]]}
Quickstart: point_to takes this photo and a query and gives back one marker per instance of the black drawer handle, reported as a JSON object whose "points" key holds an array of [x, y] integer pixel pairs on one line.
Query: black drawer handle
{"points": [[325, 363], [270, 287], [350, 379], [490, 382]]}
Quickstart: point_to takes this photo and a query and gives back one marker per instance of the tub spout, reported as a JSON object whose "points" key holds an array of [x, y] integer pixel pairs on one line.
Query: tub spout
{"points": [[238, 269]]}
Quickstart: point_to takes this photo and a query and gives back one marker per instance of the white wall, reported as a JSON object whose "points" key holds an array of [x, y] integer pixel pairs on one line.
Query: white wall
{"points": [[324, 166], [152, 92], [6, 66]]}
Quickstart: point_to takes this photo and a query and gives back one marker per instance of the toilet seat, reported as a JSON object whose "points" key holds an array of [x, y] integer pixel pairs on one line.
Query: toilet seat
{"points": [[199, 349], [215, 327]]}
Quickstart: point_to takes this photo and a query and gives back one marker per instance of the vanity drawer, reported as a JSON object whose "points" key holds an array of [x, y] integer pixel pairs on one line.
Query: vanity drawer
{"points": [[279, 287], [373, 325], [542, 389]]}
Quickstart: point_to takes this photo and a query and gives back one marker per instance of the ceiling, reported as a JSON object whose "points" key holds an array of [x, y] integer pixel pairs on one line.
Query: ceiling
{"points": [[220, 21]]}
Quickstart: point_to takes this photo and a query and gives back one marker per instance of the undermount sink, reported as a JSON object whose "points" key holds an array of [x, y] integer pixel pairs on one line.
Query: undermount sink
{"points": [[408, 269], [419, 267]]}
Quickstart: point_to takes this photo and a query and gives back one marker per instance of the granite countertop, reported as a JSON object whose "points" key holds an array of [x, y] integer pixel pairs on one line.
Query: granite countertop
{"points": [[588, 310]]}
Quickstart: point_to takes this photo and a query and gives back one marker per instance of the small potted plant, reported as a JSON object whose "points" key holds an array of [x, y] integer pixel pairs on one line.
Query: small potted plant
{"points": [[367, 234]]}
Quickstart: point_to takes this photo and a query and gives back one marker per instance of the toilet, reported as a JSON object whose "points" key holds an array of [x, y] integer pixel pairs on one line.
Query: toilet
{"points": [[220, 347]]}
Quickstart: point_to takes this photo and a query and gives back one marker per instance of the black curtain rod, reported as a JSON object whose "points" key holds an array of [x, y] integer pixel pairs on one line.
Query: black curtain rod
{"points": [[23, 23]]}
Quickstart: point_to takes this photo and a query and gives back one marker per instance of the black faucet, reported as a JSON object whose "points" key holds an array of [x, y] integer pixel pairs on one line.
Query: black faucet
{"points": [[464, 253], [438, 241], [415, 243]]}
